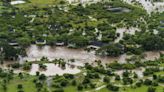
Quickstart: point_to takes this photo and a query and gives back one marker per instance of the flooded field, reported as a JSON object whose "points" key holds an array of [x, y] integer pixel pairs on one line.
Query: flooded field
{"points": [[35, 53], [53, 69], [149, 5], [121, 31], [79, 55]]}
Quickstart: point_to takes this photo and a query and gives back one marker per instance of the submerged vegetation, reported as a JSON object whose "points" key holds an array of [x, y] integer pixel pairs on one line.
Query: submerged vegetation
{"points": [[127, 77], [110, 28]]}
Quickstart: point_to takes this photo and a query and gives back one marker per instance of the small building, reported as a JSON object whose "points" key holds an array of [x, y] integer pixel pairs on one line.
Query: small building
{"points": [[117, 9], [31, 16], [59, 43], [17, 2], [95, 45], [162, 21], [10, 29], [1, 50], [13, 43], [162, 26], [71, 45], [40, 42]]}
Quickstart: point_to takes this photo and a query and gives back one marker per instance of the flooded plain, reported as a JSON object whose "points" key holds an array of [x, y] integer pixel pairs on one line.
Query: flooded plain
{"points": [[121, 31], [53, 69], [148, 5], [80, 56]]}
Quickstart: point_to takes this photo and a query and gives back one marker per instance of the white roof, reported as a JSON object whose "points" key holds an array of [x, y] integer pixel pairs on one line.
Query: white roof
{"points": [[17, 2]]}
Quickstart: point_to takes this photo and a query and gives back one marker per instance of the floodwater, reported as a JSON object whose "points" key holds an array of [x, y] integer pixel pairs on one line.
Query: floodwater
{"points": [[149, 5], [121, 31], [53, 69], [79, 55], [138, 71], [152, 55], [83, 1]]}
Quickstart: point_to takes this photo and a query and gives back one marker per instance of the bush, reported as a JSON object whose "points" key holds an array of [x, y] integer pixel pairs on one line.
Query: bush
{"points": [[106, 79], [151, 89], [112, 87], [80, 87], [147, 82], [86, 81], [64, 83], [138, 84], [15, 65], [20, 91], [74, 83], [126, 74], [20, 86], [154, 83], [43, 67], [161, 79], [68, 76], [42, 77], [115, 65], [135, 75], [150, 71], [92, 85], [117, 77], [59, 90], [154, 77], [127, 80], [26, 66], [129, 66]]}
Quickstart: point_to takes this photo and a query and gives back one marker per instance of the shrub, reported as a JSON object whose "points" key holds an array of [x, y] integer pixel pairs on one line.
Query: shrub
{"points": [[147, 82], [112, 87], [80, 87], [151, 89]]}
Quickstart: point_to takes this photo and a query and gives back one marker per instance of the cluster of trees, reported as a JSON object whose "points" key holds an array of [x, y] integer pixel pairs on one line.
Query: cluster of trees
{"points": [[128, 77], [56, 27], [6, 76], [147, 39], [9, 52], [150, 71], [111, 50], [26, 66]]}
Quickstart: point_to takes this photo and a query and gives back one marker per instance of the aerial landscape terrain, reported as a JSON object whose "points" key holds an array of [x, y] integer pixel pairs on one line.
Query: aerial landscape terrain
{"points": [[81, 45]]}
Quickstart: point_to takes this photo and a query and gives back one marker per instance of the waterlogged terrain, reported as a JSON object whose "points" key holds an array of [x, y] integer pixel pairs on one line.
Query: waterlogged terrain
{"points": [[122, 31], [149, 5], [81, 46], [80, 55], [53, 69]]}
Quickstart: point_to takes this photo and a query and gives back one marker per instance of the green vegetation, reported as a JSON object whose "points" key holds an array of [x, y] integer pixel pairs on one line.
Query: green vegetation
{"points": [[57, 23], [97, 78]]}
